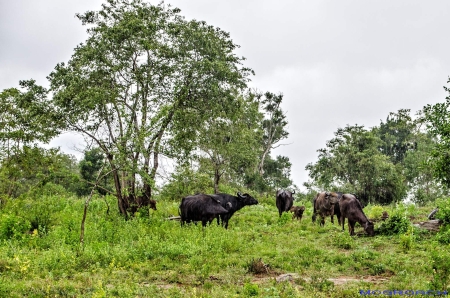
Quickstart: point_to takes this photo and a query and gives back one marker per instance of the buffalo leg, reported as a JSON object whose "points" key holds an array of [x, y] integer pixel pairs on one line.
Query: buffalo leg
{"points": [[322, 221], [342, 221], [351, 227]]}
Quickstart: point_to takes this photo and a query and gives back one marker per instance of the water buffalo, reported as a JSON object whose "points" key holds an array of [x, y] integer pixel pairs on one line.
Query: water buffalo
{"points": [[200, 207], [232, 204], [323, 205], [284, 200], [351, 208], [337, 210], [297, 212]]}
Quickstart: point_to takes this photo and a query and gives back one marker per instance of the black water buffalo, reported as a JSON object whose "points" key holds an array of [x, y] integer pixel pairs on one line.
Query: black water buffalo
{"points": [[297, 212], [284, 200], [351, 208], [232, 204], [200, 207], [323, 205]]}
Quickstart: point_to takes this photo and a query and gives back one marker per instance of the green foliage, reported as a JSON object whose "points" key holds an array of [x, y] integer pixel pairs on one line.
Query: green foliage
{"points": [[251, 289], [444, 211], [90, 165], [374, 211], [443, 236], [352, 161], [186, 181], [284, 218], [221, 141], [188, 76], [26, 116], [396, 135], [407, 239], [321, 283], [440, 264], [344, 241], [32, 168], [13, 227], [397, 223], [437, 118], [154, 257]]}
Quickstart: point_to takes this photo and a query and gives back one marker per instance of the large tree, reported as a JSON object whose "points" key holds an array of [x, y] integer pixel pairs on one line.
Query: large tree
{"points": [[141, 84], [229, 144], [437, 118], [352, 162]]}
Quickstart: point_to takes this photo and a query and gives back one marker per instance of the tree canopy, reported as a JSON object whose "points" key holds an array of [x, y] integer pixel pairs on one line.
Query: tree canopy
{"points": [[142, 84]]}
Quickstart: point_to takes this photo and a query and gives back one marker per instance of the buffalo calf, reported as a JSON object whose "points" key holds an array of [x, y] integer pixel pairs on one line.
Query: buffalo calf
{"points": [[297, 212]]}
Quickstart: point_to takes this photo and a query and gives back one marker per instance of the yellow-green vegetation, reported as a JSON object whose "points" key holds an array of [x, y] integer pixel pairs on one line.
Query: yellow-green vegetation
{"points": [[151, 256]]}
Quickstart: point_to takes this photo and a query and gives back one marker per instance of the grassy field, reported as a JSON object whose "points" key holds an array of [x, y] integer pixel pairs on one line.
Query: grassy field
{"points": [[260, 255]]}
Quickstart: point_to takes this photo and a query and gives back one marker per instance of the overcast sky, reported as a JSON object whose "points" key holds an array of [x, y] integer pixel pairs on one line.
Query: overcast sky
{"points": [[336, 62]]}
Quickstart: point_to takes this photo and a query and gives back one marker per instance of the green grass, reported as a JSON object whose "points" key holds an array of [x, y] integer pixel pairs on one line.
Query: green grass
{"points": [[155, 257]]}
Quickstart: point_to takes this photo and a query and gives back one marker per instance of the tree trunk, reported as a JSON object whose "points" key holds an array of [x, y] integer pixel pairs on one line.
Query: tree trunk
{"points": [[122, 202], [261, 163], [216, 181]]}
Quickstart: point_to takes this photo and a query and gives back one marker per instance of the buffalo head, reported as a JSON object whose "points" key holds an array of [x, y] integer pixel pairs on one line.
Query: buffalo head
{"points": [[246, 199], [331, 197], [152, 204], [369, 228]]}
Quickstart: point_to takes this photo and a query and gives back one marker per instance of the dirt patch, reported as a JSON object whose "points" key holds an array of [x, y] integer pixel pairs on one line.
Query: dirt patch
{"points": [[341, 280]]}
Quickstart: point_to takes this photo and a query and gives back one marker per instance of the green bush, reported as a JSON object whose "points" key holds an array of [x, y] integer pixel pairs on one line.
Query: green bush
{"points": [[344, 241], [441, 269], [444, 211], [407, 239], [374, 212], [443, 236], [251, 289], [397, 223], [13, 227]]}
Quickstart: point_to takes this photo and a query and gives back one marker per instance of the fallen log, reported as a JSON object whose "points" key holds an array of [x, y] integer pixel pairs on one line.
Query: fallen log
{"points": [[431, 225]]}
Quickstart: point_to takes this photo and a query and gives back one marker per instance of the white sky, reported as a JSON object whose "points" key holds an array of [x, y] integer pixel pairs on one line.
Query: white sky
{"points": [[336, 62]]}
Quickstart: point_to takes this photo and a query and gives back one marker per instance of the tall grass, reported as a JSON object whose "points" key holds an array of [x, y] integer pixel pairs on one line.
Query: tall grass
{"points": [[151, 256]]}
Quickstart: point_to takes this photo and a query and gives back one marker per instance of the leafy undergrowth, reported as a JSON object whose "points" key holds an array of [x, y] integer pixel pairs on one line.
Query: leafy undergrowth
{"points": [[150, 256]]}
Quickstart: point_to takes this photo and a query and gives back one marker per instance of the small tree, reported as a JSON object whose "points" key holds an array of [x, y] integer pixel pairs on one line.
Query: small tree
{"points": [[274, 125]]}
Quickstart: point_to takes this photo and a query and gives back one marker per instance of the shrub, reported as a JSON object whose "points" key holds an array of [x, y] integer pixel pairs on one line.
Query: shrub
{"points": [[407, 239], [396, 224], [344, 240], [256, 266], [375, 212], [443, 236], [13, 227], [251, 289], [441, 269], [444, 211]]}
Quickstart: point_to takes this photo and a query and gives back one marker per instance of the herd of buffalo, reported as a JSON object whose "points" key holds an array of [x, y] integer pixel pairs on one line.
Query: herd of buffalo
{"points": [[207, 207]]}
